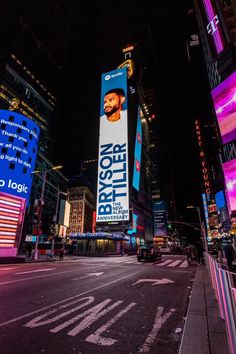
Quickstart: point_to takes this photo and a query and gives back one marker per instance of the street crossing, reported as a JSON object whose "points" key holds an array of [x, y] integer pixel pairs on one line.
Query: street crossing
{"points": [[167, 261]]}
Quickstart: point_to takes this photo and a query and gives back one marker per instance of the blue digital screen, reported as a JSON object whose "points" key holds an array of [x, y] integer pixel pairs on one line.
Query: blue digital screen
{"points": [[134, 225], [220, 200], [18, 149], [137, 154], [113, 156]]}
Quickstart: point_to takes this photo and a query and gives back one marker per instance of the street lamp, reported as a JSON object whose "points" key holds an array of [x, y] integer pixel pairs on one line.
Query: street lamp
{"points": [[44, 173], [56, 216], [200, 222]]}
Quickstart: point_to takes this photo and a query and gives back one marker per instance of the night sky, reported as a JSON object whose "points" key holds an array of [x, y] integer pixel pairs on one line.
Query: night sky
{"points": [[94, 48]]}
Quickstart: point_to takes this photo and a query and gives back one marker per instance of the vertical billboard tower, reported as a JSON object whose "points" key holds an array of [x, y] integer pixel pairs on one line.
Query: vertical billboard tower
{"points": [[18, 149], [113, 181]]}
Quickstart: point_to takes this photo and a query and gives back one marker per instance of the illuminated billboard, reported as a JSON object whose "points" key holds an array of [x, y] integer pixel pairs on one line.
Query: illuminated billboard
{"points": [[11, 221], [137, 154], [134, 225], [224, 98], [229, 169], [64, 213], [213, 26], [113, 181], [18, 149]]}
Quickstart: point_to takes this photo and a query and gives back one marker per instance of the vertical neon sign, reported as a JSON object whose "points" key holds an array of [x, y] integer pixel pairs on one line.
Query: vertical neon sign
{"points": [[213, 27], [137, 154]]}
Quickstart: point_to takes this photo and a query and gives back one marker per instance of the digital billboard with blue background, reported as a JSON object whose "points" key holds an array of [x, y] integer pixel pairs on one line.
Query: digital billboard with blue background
{"points": [[18, 148], [113, 181], [137, 154], [134, 225]]}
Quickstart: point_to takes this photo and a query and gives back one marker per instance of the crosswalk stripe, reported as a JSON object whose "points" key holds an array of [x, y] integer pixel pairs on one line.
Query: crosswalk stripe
{"points": [[165, 263], [184, 264], [175, 263]]}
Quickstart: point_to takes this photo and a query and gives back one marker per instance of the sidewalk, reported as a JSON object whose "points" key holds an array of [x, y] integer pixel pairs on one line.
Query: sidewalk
{"points": [[204, 331]]}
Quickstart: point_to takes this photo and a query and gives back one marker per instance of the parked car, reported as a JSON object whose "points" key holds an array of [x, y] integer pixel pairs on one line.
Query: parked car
{"points": [[148, 253], [165, 249]]}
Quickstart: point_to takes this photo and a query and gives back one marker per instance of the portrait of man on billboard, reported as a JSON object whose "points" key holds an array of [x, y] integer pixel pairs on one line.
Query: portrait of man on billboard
{"points": [[112, 104], [113, 188]]}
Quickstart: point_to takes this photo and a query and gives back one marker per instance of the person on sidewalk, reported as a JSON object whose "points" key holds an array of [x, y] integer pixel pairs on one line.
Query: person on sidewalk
{"points": [[29, 250], [187, 251], [199, 248], [61, 254], [229, 254]]}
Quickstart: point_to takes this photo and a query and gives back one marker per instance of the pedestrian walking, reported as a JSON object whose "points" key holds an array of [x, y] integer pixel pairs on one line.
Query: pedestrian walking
{"points": [[29, 250], [229, 254], [187, 251], [199, 249], [61, 254]]}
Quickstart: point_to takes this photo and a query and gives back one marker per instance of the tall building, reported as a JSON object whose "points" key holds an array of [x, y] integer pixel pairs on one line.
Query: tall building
{"points": [[139, 52], [134, 183], [216, 21], [82, 201], [33, 52]]}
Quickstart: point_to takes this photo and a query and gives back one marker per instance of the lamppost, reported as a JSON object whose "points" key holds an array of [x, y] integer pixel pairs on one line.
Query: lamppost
{"points": [[44, 173], [56, 216], [200, 222]]}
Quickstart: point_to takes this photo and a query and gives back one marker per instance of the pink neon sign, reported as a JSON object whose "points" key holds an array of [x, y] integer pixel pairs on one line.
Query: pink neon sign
{"points": [[213, 25], [229, 168], [224, 98]]}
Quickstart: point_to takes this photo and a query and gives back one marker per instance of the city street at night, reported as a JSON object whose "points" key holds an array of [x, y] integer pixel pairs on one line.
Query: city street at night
{"points": [[118, 177], [95, 305]]}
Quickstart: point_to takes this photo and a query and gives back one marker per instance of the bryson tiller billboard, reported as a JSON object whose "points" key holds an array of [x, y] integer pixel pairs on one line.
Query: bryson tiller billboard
{"points": [[113, 185]]}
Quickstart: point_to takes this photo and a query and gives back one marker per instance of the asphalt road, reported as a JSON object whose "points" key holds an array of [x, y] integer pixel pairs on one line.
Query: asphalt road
{"points": [[94, 305]]}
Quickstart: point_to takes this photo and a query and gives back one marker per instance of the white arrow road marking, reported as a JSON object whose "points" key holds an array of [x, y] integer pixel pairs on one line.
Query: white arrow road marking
{"points": [[155, 281], [36, 271], [89, 275]]}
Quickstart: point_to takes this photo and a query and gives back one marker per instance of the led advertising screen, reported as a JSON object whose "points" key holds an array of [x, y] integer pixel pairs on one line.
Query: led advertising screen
{"points": [[229, 168], [11, 220], [18, 149], [160, 218], [134, 225], [214, 26], [64, 213], [224, 98], [137, 154], [113, 186]]}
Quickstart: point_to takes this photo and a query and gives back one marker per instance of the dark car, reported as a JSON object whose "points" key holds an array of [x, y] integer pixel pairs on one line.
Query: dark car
{"points": [[149, 253]]}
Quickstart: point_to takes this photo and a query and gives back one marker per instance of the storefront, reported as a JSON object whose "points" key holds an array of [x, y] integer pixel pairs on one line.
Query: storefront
{"points": [[100, 243]]}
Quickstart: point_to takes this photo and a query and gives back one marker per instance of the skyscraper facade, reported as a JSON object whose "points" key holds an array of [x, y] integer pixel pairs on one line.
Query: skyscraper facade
{"points": [[34, 41], [217, 23]]}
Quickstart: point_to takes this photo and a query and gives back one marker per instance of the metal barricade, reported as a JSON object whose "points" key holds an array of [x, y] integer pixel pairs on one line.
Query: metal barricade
{"points": [[224, 284]]}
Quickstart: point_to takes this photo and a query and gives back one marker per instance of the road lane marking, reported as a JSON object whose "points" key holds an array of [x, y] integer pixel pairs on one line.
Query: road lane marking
{"points": [[158, 323], [164, 263], [184, 264], [9, 268], [40, 276], [174, 264], [155, 281], [68, 299], [36, 271], [96, 337], [88, 275]]}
